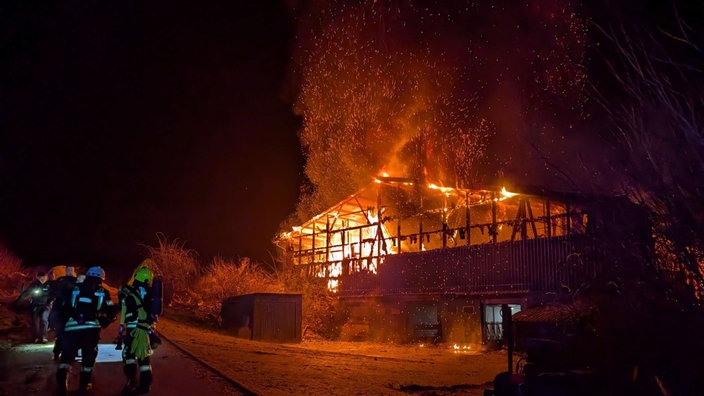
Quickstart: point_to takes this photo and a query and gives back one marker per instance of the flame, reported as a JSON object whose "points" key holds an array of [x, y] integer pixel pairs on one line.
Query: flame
{"points": [[506, 193], [364, 249], [333, 271], [445, 190], [411, 96], [461, 348]]}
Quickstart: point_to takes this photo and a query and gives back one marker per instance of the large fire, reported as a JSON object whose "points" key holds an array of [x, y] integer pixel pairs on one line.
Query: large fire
{"points": [[359, 246], [429, 89], [426, 90], [394, 215]]}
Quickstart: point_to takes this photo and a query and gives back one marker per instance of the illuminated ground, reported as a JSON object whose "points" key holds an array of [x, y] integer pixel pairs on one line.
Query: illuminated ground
{"points": [[340, 368], [309, 368]]}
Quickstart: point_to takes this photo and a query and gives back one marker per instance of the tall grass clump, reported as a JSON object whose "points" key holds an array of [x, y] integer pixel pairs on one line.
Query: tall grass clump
{"points": [[11, 275], [178, 265], [226, 278], [200, 292]]}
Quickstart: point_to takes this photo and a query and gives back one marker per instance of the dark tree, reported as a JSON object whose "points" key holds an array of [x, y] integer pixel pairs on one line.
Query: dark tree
{"points": [[653, 96]]}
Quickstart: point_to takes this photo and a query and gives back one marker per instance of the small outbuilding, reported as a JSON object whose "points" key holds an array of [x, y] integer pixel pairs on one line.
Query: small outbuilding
{"points": [[264, 316]]}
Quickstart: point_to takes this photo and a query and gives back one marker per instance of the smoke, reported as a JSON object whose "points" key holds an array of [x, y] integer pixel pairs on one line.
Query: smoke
{"points": [[450, 92]]}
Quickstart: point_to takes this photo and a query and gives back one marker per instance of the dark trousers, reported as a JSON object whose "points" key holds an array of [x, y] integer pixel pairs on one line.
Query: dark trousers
{"points": [[86, 340], [58, 343], [40, 322], [56, 322], [136, 370]]}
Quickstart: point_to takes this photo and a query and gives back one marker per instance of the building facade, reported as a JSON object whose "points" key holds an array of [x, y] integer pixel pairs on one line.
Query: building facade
{"points": [[420, 261]]}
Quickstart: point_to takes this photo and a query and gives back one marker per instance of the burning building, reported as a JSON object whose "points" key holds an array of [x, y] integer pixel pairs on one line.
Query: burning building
{"points": [[448, 91], [412, 260]]}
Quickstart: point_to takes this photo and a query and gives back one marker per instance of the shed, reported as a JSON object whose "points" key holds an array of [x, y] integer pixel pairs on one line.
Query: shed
{"points": [[264, 316]]}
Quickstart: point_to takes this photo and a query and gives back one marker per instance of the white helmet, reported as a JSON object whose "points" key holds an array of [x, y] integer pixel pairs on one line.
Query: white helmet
{"points": [[96, 272]]}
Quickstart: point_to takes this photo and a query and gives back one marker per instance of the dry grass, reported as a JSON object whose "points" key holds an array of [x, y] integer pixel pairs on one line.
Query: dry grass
{"points": [[223, 278], [14, 326], [11, 276], [199, 291], [180, 265]]}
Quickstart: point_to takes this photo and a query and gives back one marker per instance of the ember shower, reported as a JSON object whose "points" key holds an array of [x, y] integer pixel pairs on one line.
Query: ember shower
{"points": [[446, 91]]}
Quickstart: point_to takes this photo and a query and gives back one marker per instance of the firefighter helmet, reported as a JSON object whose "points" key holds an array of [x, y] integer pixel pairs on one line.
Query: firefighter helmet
{"points": [[96, 272], [144, 275], [57, 272], [147, 263]]}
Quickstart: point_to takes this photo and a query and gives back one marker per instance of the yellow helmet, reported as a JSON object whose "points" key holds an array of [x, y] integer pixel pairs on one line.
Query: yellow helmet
{"points": [[57, 272], [144, 275], [149, 263]]}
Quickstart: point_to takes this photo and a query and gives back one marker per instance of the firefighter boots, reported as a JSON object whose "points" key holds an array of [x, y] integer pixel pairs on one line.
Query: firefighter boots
{"points": [[130, 371], [84, 383], [62, 381], [145, 382]]}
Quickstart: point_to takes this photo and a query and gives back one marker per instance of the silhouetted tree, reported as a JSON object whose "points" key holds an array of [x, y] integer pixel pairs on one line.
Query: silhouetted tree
{"points": [[657, 108]]}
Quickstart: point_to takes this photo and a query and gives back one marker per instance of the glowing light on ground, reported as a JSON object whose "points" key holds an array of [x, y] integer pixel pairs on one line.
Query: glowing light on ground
{"points": [[106, 352]]}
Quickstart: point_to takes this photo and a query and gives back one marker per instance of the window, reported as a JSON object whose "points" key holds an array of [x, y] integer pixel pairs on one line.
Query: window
{"points": [[493, 327]]}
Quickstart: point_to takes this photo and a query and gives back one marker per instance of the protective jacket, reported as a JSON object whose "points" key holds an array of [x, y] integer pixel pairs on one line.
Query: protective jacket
{"points": [[134, 309], [136, 319], [89, 308], [60, 293]]}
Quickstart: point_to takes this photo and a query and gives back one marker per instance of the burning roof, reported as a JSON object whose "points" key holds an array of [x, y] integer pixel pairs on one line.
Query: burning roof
{"points": [[396, 215]]}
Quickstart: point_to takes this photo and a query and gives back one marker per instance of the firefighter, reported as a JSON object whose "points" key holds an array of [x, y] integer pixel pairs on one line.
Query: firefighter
{"points": [[136, 329], [60, 296], [38, 294], [89, 309]]}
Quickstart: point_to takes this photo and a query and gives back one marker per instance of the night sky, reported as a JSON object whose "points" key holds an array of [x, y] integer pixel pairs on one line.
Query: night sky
{"points": [[121, 121]]}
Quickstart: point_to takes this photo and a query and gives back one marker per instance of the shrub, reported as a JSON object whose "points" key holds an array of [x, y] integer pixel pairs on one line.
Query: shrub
{"points": [[225, 278], [178, 265], [322, 313], [201, 294], [11, 276]]}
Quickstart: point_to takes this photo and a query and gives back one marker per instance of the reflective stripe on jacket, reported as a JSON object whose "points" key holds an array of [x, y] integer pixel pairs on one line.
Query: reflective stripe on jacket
{"points": [[79, 320], [133, 313]]}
